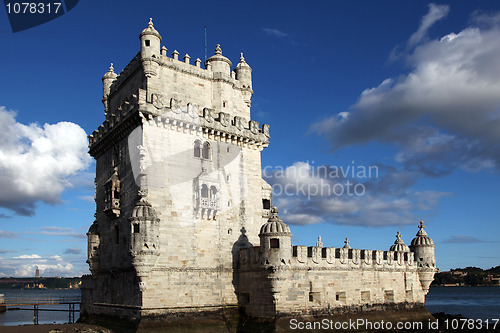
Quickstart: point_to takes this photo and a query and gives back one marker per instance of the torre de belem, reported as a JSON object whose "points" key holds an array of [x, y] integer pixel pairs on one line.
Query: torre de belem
{"points": [[184, 221]]}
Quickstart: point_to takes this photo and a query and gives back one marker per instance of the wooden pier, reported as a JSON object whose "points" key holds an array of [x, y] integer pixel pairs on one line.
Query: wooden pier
{"points": [[18, 303]]}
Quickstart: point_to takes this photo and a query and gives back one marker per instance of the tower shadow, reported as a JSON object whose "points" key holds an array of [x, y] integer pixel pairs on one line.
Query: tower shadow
{"points": [[241, 243]]}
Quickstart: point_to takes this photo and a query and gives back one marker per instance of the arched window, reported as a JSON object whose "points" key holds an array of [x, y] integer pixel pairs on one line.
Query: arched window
{"points": [[197, 148], [204, 191], [213, 192], [205, 153]]}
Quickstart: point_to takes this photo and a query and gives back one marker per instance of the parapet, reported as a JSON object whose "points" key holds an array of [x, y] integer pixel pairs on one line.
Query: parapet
{"points": [[304, 257], [187, 116]]}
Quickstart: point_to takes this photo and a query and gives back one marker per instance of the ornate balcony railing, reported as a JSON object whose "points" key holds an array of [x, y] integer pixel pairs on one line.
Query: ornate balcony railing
{"points": [[209, 203]]}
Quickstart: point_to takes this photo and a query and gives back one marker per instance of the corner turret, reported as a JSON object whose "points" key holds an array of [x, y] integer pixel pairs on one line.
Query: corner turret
{"points": [[144, 237], [150, 49], [218, 63], [107, 80], [275, 241], [244, 73], [423, 247], [244, 76], [93, 239]]}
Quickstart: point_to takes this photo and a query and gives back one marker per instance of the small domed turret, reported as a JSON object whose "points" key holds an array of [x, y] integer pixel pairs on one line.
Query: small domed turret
{"points": [[244, 76], [423, 247], [244, 73], [107, 81], [218, 62], [275, 240], [399, 245], [150, 49], [144, 237]]}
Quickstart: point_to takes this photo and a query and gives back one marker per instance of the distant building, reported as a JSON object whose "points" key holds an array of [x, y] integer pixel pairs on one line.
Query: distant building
{"points": [[37, 272], [184, 221]]}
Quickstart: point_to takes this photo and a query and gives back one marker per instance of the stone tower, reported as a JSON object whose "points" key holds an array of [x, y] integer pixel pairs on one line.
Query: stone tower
{"points": [[178, 185]]}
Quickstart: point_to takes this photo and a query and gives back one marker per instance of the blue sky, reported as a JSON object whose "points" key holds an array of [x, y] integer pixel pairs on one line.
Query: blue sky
{"points": [[409, 87]]}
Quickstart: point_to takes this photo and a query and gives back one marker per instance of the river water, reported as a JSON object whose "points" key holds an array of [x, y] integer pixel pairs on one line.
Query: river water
{"points": [[470, 302], [25, 313]]}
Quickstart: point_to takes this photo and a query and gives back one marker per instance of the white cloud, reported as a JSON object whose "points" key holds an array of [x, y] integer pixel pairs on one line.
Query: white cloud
{"points": [[25, 265], [7, 234], [65, 269], [436, 13], [59, 231], [462, 239], [36, 162], [308, 194], [74, 250], [87, 198], [275, 32], [28, 256], [444, 114]]}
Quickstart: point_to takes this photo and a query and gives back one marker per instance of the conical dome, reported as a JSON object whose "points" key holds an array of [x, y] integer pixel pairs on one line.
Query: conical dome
{"points": [[399, 245], [275, 226], [150, 30], [422, 238]]}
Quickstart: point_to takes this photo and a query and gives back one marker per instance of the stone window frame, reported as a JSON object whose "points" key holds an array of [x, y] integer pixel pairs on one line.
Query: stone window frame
{"points": [[389, 296], [202, 149], [274, 243]]}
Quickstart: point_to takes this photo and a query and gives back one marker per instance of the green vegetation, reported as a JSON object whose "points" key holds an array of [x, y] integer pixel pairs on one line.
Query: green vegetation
{"points": [[40, 283], [469, 276]]}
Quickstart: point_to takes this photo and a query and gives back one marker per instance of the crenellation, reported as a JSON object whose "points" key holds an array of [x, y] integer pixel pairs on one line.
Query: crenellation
{"points": [[175, 55], [354, 258]]}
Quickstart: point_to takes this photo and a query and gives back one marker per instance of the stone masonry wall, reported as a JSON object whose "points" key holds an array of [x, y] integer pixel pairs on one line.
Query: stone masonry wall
{"points": [[324, 279]]}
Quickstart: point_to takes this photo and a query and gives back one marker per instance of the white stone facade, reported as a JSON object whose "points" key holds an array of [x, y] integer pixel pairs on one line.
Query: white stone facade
{"points": [[179, 194]]}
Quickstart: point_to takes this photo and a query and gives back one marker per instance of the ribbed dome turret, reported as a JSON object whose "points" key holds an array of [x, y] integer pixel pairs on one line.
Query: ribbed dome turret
{"points": [[150, 30], [143, 210], [275, 226], [422, 238], [399, 245]]}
